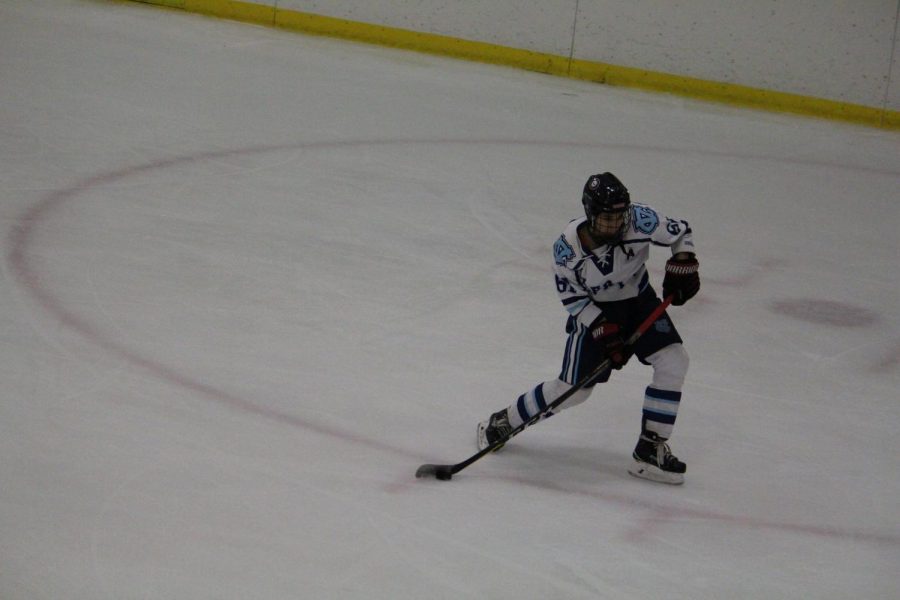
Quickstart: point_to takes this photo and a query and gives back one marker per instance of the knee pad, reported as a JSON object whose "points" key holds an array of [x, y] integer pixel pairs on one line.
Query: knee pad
{"points": [[670, 365]]}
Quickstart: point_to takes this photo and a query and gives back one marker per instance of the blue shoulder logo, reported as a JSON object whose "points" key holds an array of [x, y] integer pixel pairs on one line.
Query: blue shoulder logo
{"points": [[645, 219], [562, 251]]}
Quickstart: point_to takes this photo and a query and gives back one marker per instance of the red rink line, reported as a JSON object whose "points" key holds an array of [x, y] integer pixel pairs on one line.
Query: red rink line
{"points": [[660, 514], [26, 274]]}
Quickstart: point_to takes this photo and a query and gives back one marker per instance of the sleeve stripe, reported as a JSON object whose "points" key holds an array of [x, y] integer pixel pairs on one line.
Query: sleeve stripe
{"points": [[574, 309], [573, 299]]}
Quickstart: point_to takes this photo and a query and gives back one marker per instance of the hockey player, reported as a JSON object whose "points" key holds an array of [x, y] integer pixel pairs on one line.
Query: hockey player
{"points": [[602, 281]]}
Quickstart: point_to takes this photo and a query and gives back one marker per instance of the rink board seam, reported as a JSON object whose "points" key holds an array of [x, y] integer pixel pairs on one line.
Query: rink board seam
{"points": [[550, 64]]}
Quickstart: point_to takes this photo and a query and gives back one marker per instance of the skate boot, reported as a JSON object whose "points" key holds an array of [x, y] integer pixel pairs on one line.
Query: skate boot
{"points": [[654, 461], [495, 428]]}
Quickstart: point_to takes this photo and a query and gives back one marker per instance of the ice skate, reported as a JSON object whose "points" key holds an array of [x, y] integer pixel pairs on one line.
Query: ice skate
{"points": [[495, 428], [654, 461]]}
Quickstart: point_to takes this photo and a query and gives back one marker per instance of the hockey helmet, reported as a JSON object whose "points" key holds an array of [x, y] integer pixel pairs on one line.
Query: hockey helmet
{"points": [[607, 206]]}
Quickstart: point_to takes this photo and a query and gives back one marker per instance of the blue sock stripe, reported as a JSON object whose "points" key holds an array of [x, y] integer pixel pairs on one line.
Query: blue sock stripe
{"points": [[539, 396], [658, 394], [523, 412], [660, 407], [651, 415]]}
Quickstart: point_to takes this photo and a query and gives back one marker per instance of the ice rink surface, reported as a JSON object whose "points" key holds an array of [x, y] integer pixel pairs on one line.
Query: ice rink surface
{"points": [[251, 280]]}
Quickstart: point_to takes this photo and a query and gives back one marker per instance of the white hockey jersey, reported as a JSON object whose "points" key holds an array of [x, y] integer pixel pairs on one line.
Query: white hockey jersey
{"points": [[612, 272]]}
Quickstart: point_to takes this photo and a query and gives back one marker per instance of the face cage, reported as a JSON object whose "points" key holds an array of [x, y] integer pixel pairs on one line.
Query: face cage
{"points": [[605, 232]]}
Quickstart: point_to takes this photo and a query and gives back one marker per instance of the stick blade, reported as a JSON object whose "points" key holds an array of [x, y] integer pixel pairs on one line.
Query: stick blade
{"points": [[442, 472]]}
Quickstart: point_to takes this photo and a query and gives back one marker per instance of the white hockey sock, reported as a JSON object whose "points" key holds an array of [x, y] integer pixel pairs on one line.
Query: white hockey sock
{"points": [[662, 397], [535, 401], [660, 410]]}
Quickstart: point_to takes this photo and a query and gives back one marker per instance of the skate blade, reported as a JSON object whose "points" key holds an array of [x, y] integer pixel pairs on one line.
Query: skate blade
{"points": [[647, 471]]}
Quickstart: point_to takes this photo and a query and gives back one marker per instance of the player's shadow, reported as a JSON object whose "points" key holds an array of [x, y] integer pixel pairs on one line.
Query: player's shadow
{"points": [[556, 465]]}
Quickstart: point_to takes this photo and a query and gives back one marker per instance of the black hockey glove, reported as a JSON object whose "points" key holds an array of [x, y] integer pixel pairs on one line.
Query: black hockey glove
{"points": [[682, 280], [609, 336]]}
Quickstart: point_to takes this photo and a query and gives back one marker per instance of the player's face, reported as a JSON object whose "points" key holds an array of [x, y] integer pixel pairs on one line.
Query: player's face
{"points": [[608, 225]]}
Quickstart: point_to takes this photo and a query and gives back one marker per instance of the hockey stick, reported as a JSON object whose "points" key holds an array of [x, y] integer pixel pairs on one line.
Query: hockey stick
{"points": [[446, 472]]}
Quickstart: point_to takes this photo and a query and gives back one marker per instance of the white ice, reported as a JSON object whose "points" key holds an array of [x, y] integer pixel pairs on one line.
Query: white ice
{"points": [[251, 280]]}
